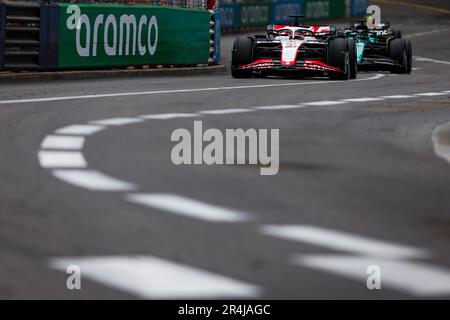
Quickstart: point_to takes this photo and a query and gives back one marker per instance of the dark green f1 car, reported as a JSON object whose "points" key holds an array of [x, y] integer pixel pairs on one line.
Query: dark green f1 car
{"points": [[381, 48]]}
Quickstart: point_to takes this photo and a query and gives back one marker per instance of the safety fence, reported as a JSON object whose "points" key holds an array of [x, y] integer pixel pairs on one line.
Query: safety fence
{"points": [[61, 34], [198, 4], [239, 14]]}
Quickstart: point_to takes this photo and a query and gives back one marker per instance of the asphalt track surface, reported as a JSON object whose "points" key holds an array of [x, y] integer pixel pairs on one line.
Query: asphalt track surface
{"points": [[359, 185]]}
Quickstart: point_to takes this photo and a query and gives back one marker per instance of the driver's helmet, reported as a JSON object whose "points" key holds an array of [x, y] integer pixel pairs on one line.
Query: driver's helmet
{"points": [[301, 34], [284, 33], [360, 25]]}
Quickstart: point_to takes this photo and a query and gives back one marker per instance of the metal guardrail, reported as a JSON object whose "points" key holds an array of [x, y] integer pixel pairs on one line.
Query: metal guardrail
{"points": [[20, 26]]}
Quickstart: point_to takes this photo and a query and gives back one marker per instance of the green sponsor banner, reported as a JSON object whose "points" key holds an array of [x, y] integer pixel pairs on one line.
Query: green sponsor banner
{"points": [[325, 9], [255, 14], [122, 35]]}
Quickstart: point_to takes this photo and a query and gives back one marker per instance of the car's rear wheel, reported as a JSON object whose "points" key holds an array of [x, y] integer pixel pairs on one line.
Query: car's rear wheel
{"points": [[400, 51], [339, 57], [242, 54]]}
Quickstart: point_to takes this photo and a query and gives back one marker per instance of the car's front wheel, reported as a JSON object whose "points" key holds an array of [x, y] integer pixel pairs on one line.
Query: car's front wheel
{"points": [[339, 57], [242, 54]]}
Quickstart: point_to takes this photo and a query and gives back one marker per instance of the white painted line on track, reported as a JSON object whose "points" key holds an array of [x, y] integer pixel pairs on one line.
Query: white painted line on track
{"points": [[431, 60], [62, 142], [187, 207], [362, 99], [342, 241], [398, 96], [193, 90], [168, 116], [442, 151], [425, 33], [409, 277], [281, 107], [154, 278], [431, 94], [441, 141], [323, 103], [80, 129], [76, 160], [225, 111], [93, 180], [116, 121], [61, 159]]}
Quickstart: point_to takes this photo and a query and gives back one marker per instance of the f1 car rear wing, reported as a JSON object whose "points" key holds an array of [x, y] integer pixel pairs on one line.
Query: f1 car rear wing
{"points": [[383, 25]]}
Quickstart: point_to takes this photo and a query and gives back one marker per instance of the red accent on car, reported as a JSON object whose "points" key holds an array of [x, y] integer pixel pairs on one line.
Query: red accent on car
{"points": [[320, 29], [321, 65], [277, 27], [314, 65], [259, 64]]}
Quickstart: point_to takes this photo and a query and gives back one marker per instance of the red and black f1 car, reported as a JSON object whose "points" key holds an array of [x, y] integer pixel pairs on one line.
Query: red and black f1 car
{"points": [[295, 50]]}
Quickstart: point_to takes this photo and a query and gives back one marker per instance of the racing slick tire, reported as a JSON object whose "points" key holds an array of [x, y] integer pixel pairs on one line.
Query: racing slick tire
{"points": [[338, 56], [409, 56], [242, 54], [352, 58], [401, 52]]}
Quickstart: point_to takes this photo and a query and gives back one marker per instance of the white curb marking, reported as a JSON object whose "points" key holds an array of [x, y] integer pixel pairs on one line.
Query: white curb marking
{"points": [[323, 103], [425, 33], [431, 60], [398, 96], [342, 241], [188, 207], [431, 94], [442, 151], [441, 141], [93, 180], [168, 116], [225, 111], [62, 142], [362, 99], [61, 159], [80, 129], [281, 107], [153, 278], [411, 277], [116, 121]]}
